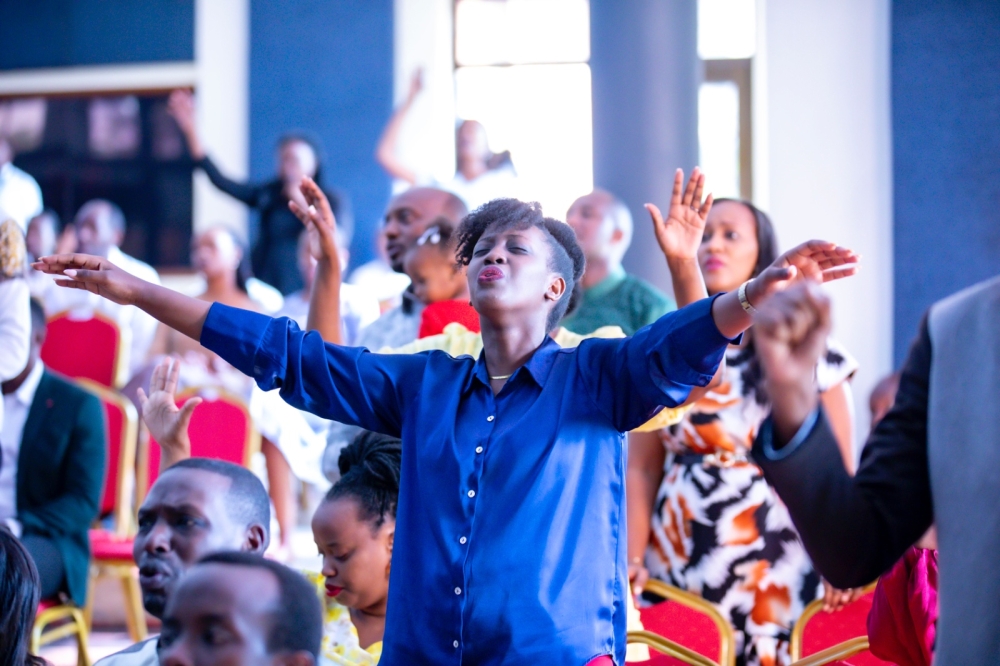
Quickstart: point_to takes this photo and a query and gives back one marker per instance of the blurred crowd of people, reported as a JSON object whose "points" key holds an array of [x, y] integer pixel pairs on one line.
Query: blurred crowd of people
{"points": [[708, 510]]}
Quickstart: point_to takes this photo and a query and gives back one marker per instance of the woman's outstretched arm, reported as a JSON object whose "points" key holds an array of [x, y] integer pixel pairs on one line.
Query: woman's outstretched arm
{"points": [[99, 276]]}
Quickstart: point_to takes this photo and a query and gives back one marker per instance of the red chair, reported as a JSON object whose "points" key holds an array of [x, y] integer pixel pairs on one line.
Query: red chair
{"points": [[54, 621], [90, 347], [220, 428], [688, 622], [840, 637], [111, 550]]}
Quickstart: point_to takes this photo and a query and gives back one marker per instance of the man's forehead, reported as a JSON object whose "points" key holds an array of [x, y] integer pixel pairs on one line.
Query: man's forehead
{"points": [[178, 487], [424, 200], [596, 199], [221, 589]]}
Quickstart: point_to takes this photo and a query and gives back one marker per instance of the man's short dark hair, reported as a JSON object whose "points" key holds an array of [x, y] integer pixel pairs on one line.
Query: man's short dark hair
{"points": [[298, 618], [566, 258], [246, 501]]}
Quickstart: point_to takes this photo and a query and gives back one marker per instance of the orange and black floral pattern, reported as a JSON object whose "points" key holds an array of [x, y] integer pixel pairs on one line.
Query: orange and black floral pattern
{"points": [[719, 530]]}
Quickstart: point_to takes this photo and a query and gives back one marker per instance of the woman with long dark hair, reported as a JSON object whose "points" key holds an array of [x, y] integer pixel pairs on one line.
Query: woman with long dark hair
{"points": [[509, 543], [19, 590], [702, 516]]}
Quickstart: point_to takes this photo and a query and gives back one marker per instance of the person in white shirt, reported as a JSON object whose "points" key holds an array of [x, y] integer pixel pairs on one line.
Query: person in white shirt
{"points": [[20, 196], [480, 175], [15, 317], [100, 229]]}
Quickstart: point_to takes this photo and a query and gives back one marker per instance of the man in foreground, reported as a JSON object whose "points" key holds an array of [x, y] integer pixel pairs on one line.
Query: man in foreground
{"points": [[933, 457], [196, 507], [236, 608]]}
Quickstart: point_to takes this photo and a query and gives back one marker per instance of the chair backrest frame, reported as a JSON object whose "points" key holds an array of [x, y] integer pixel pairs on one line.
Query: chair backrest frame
{"points": [[125, 483], [668, 647], [834, 653], [799, 630], [119, 368], [727, 639]]}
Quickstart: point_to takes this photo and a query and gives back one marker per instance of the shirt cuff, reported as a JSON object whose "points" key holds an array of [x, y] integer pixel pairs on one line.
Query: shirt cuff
{"points": [[767, 437]]}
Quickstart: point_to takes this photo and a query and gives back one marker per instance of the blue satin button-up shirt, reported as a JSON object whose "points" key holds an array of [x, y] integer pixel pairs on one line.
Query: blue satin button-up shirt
{"points": [[510, 543]]}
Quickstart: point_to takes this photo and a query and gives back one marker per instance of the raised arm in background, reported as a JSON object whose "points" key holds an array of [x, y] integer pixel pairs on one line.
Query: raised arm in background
{"points": [[324, 301], [386, 153], [181, 108]]}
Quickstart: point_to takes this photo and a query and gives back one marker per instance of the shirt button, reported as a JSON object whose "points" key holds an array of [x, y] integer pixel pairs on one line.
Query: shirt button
{"points": [[479, 449], [462, 540], [472, 493], [458, 590], [455, 643], [489, 418]]}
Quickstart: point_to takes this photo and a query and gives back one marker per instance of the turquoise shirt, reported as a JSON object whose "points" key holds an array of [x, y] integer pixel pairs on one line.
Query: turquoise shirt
{"points": [[621, 300]]}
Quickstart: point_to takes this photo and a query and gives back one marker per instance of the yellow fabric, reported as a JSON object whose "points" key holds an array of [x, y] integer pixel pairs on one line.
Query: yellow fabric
{"points": [[13, 260], [340, 638], [458, 341]]}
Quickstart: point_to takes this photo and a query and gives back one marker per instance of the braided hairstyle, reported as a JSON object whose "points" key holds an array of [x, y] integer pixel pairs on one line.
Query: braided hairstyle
{"points": [[566, 258], [369, 472]]}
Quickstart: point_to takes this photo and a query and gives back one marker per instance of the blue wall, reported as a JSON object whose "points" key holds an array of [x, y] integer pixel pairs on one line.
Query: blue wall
{"points": [[325, 67], [60, 33], [946, 141]]}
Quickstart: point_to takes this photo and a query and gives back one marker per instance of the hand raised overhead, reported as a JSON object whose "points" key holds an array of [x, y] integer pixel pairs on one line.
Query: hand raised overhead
{"points": [[318, 219], [167, 423], [680, 234], [180, 106], [94, 274]]}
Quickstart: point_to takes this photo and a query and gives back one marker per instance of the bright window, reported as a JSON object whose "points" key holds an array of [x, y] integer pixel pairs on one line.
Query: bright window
{"points": [[719, 137], [521, 70]]}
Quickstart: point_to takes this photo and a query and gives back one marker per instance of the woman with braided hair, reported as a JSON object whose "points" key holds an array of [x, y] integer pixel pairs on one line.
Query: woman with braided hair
{"points": [[353, 528]]}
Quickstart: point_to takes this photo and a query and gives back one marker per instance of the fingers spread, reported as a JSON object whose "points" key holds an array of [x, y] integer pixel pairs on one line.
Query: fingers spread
{"points": [[170, 385], [655, 214], [675, 197]]}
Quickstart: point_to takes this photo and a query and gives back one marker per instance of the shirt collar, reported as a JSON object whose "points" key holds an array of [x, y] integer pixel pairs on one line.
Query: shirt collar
{"points": [[614, 278], [25, 393], [538, 366]]}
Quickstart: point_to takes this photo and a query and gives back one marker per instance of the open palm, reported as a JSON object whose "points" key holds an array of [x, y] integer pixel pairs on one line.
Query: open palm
{"points": [[318, 218], [680, 234], [167, 423]]}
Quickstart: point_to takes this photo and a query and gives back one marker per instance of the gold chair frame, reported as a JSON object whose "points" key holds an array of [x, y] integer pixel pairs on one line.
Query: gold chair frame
{"points": [[727, 646], [70, 621], [124, 524], [836, 652], [798, 631]]}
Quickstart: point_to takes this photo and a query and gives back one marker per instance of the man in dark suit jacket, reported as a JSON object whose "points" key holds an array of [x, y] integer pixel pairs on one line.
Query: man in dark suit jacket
{"points": [[935, 457], [53, 468]]}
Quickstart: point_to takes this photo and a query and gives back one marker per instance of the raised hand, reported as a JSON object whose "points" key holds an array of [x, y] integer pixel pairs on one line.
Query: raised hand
{"points": [[94, 274], [180, 106], [416, 85], [790, 334], [167, 423], [815, 260], [680, 234], [317, 216]]}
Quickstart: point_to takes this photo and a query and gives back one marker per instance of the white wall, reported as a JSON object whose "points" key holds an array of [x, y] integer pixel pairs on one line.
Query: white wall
{"points": [[423, 39], [222, 55], [823, 155]]}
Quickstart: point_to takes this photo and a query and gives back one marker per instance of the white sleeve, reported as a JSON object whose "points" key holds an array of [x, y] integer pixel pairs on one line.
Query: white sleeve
{"points": [[15, 327]]}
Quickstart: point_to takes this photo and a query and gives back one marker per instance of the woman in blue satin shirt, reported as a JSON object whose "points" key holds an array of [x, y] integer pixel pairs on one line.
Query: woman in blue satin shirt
{"points": [[510, 540]]}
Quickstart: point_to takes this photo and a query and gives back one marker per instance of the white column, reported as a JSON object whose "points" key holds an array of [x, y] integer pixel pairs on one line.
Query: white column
{"points": [[222, 54], [423, 39], [823, 168]]}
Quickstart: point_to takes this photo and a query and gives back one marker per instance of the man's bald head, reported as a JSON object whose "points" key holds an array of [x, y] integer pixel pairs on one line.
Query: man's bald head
{"points": [[603, 226], [411, 212], [100, 225]]}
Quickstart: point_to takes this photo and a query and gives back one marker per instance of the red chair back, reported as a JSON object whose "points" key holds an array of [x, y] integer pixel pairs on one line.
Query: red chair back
{"points": [[689, 621], [89, 348], [822, 630], [120, 433], [221, 428]]}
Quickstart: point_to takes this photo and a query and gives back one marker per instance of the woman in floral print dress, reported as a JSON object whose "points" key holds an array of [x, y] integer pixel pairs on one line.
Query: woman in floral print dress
{"points": [[701, 515]]}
